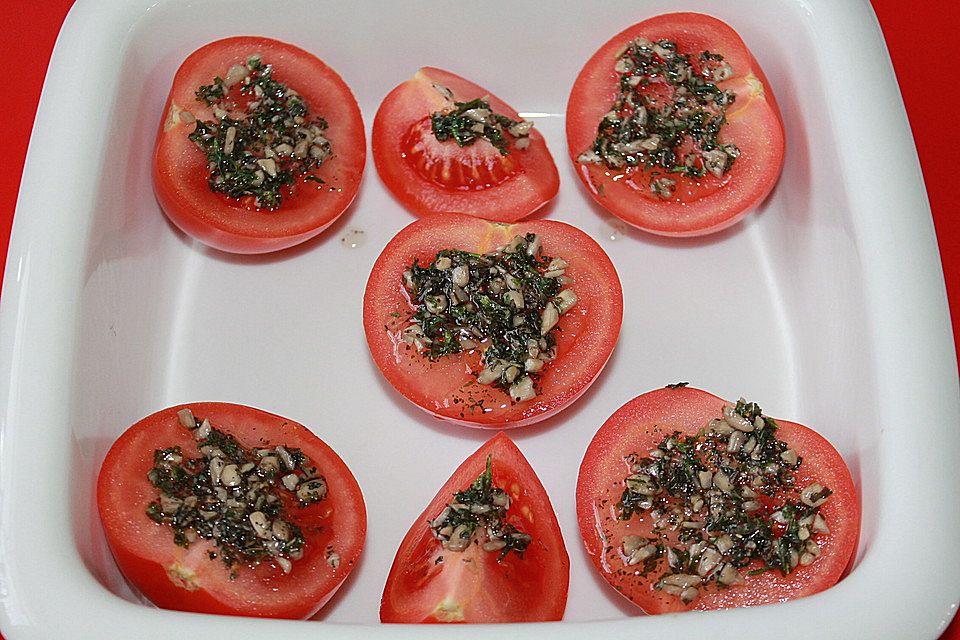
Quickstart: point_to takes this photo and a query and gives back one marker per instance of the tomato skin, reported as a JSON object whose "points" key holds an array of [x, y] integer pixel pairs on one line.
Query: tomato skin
{"points": [[446, 388], [149, 559], [180, 167], [535, 183], [472, 586], [639, 426], [754, 124]]}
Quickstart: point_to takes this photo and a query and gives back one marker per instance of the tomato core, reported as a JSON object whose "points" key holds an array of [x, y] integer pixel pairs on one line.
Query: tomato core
{"points": [[473, 167]]}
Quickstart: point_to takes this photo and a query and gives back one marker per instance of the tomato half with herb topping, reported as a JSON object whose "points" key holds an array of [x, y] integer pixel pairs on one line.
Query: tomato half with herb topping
{"points": [[454, 386], [673, 127], [640, 479], [444, 144], [509, 564], [248, 566], [270, 184]]}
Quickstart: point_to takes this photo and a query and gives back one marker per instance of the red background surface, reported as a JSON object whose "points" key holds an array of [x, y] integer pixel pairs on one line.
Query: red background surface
{"points": [[921, 36]]}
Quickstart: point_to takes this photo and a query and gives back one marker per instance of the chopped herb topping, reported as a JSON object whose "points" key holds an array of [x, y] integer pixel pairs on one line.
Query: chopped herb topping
{"points": [[507, 302], [667, 117], [262, 139], [677, 385], [478, 516], [467, 122], [720, 502], [333, 558], [236, 498]]}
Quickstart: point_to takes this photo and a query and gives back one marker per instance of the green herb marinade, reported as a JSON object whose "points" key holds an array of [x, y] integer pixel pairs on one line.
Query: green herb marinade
{"points": [[262, 139]]}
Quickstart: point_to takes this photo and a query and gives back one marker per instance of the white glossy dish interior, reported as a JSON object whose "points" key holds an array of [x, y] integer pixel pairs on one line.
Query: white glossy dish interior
{"points": [[826, 306]]}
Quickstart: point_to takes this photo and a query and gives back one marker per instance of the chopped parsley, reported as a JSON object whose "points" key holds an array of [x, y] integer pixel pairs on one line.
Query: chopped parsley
{"points": [[478, 515], [667, 117], [506, 302], [470, 121], [238, 499], [720, 502], [262, 138]]}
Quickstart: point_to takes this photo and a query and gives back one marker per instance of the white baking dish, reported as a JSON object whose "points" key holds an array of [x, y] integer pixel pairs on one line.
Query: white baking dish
{"points": [[827, 307]]}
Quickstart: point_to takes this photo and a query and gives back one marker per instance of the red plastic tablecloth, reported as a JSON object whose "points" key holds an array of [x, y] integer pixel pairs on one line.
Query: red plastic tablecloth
{"points": [[921, 36]]}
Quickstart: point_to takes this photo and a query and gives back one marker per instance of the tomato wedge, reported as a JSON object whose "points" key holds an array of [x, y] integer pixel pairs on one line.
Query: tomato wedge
{"points": [[311, 202], [431, 176], [700, 201], [430, 583], [196, 577], [640, 427], [447, 387]]}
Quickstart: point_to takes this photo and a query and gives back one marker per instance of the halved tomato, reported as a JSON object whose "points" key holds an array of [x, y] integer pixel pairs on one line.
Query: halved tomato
{"points": [[429, 583], [698, 205], [181, 170], [196, 577], [430, 176], [641, 426], [447, 386]]}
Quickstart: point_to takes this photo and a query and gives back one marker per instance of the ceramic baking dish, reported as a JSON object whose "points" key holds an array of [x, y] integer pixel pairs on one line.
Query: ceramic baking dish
{"points": [[109, 313]]}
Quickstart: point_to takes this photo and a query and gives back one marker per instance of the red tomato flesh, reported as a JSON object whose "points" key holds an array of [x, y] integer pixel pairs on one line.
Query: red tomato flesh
{"points": [[186, 579], [700, 206], [430, 584], [429, 176], [180, 170], [641, 425], [448, 387]]}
